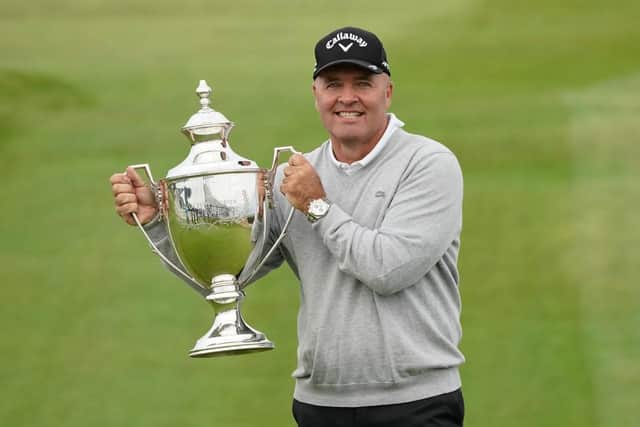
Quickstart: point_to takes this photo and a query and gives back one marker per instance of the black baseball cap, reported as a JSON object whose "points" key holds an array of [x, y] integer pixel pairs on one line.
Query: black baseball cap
{"points": [[351, 45]]}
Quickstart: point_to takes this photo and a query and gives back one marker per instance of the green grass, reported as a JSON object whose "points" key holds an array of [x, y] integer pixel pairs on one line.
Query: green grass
{"points": [[540, 103]]}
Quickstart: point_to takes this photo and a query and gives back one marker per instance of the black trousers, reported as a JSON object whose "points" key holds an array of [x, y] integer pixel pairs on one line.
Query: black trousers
{"points": [[445, 410]]}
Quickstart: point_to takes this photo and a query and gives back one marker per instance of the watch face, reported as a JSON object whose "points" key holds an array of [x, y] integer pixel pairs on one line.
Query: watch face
{"points": [[318, 207]]}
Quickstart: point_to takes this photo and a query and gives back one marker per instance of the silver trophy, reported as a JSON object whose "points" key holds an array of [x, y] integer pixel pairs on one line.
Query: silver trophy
{"points": [[209, 204]]}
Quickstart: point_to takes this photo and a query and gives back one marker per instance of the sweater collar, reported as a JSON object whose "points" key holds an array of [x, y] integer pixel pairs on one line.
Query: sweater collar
{"points": [[393, 124]]}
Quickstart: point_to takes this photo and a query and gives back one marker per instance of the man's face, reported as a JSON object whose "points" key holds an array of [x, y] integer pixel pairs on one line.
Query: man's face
{"points": [[352, 103]]}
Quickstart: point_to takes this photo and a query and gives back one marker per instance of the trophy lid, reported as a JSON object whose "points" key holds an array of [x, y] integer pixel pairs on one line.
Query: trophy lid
{"points": [[210, 152], [206, 123]]}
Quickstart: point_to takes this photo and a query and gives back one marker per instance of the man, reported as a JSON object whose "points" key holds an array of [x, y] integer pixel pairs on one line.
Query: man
{"points": [[375, 246]]}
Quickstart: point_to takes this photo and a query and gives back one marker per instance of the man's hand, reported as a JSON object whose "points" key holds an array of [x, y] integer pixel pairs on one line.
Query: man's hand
{"points": [[301, 183], [132, 195]]}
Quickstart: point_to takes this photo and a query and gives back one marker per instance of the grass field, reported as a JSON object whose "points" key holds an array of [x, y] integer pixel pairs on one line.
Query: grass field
{"points": [[540, 101]]}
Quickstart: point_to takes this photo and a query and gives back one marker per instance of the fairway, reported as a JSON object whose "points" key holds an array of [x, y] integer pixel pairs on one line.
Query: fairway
{"points": [[540, 102]]}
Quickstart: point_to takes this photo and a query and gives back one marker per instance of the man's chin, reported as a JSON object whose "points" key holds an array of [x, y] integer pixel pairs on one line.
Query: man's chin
{"points": [[348, 132], [349, 140]]}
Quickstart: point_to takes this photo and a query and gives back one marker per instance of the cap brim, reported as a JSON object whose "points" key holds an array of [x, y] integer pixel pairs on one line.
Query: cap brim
{"points": [[362, 64]]}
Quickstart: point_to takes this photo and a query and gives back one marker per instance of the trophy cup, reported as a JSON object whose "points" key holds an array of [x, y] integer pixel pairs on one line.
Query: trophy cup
{"points": [[209, 203]]}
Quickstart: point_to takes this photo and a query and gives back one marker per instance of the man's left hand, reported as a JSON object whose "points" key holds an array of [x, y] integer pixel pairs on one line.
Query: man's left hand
{"points": [[301, 183]]}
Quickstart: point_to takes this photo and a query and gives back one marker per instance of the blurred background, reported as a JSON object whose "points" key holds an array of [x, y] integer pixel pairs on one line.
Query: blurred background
{"points": [[540, 102]]}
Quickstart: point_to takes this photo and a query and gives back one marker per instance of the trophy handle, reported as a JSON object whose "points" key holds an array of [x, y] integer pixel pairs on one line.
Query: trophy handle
{"points": [[154, 187], [267, 205], [271, 174]]}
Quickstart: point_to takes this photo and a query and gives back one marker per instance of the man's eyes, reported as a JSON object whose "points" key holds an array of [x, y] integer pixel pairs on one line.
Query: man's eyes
{"points": [[360, 84]]}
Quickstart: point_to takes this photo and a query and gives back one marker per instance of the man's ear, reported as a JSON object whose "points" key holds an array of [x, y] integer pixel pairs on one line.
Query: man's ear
{"points": [[388, 94], [315, 98]]}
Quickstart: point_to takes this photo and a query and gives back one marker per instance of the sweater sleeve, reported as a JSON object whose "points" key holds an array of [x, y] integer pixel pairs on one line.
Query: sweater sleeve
{"points": [[423, 219], [260, 249], [157, 232]]}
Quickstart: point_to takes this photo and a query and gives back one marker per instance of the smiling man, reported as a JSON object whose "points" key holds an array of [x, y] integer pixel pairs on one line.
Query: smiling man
{"points": [[379, 321], [375, 247]]}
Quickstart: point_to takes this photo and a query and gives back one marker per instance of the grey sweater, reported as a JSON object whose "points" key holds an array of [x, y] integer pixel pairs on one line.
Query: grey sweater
{"points": [[379, 318]]}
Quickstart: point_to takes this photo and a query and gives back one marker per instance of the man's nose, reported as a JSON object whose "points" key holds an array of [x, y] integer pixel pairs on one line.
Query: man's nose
{"points": [[347, 95]]}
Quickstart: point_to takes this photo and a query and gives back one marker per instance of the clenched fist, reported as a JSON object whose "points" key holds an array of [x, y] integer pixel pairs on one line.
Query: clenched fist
{"points": [[131, 194], [301, 183]]}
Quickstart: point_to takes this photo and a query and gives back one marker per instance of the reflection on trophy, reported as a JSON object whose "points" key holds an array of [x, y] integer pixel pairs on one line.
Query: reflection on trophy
{"points": [[209, 204]]}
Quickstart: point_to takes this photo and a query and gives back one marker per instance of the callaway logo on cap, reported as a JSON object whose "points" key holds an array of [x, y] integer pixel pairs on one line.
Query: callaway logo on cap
{"points": [[351, 45]]}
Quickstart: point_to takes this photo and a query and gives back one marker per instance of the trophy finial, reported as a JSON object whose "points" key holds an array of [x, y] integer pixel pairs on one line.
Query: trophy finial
{"points": [[206, 124], [204, 91]]}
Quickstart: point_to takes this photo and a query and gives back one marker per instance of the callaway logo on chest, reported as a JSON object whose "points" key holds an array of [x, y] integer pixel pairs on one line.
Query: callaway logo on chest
{"points": [[345, 41]]}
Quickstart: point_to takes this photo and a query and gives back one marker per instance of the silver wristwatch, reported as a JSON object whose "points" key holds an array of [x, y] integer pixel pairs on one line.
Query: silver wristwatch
{"points": [[318, 208]]}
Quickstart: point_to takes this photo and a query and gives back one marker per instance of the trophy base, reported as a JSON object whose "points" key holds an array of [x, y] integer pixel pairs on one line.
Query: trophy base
{"points": [[230, 335], [226, 349]]}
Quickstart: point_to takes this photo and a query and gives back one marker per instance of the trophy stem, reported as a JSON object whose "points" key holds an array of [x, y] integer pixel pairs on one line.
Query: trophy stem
{"points": [[229, 333]]}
